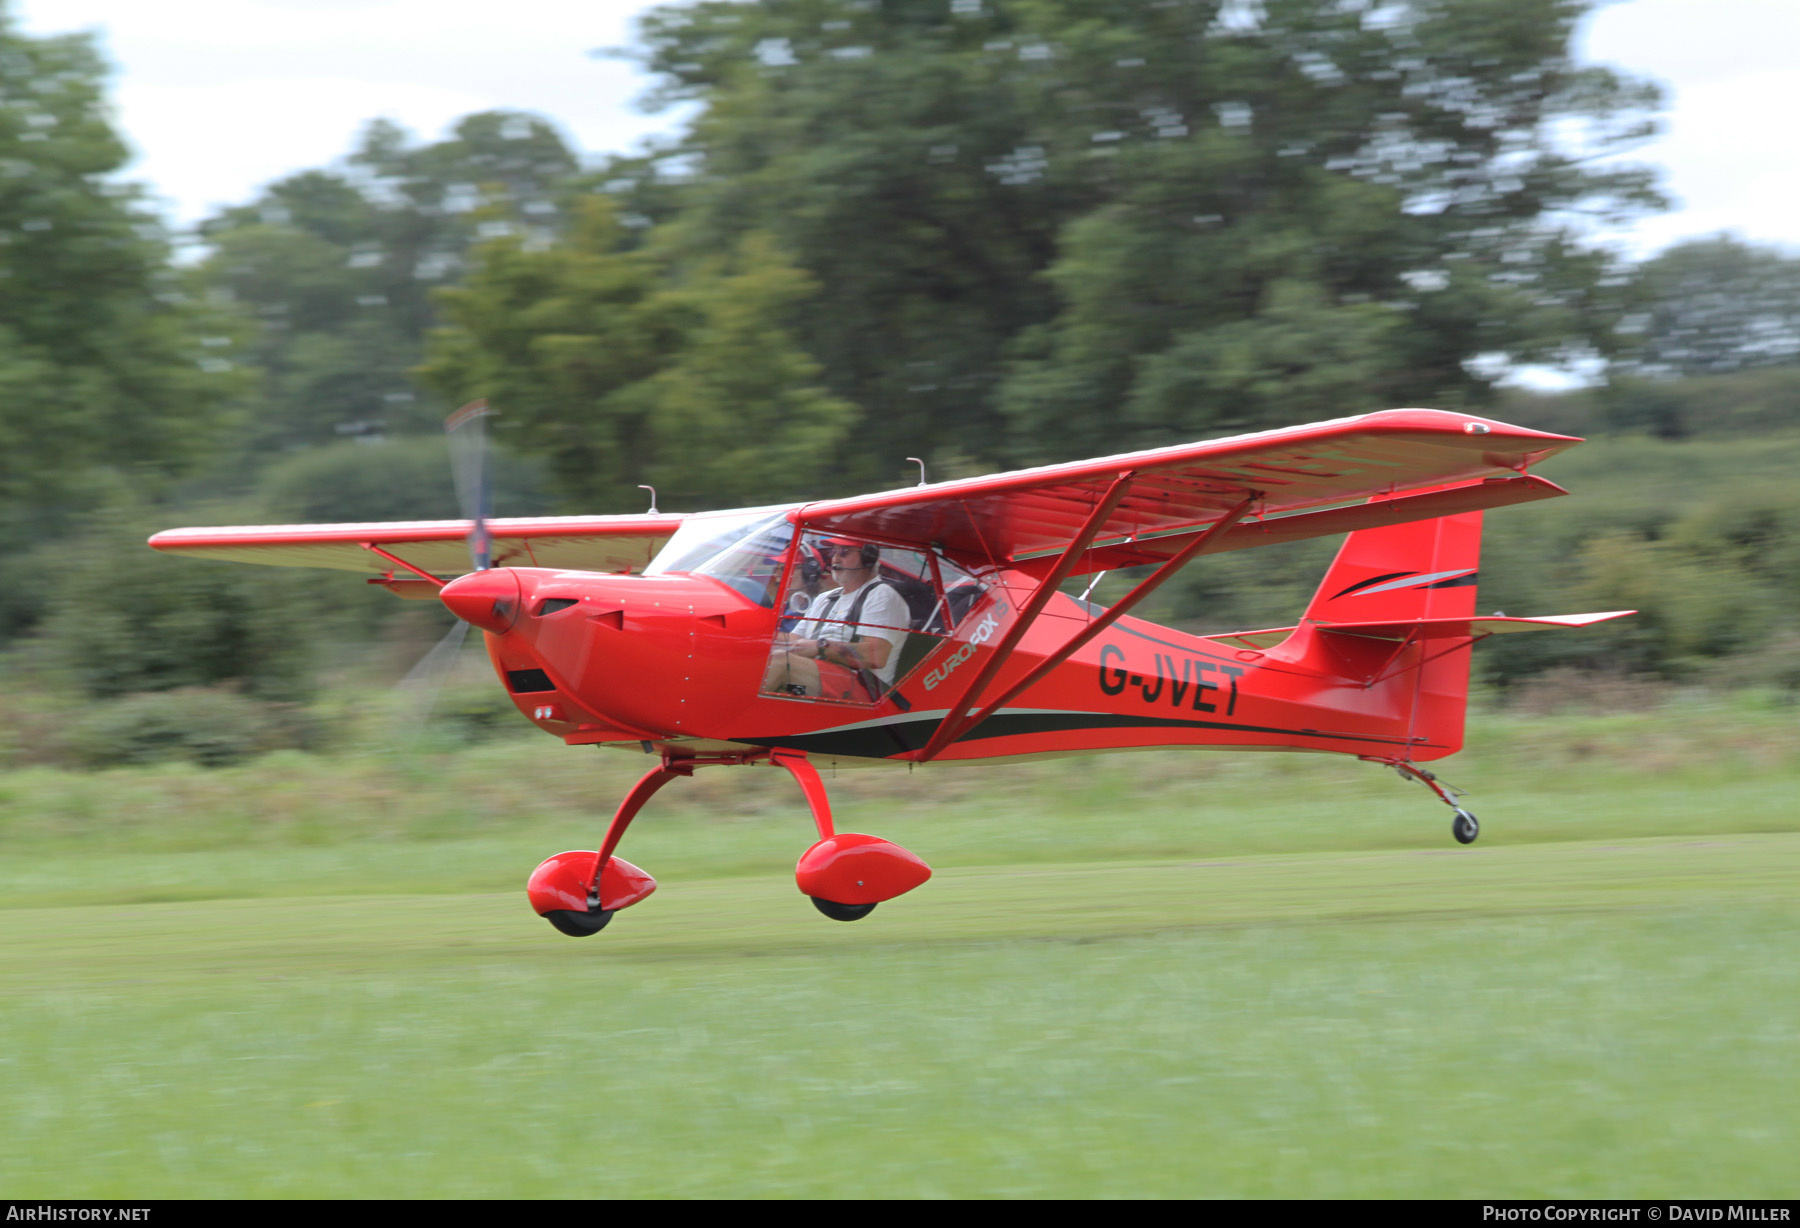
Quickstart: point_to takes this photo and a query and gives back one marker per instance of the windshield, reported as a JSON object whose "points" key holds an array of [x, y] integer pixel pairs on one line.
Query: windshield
{"points": [[702, 536], [745, 550]]}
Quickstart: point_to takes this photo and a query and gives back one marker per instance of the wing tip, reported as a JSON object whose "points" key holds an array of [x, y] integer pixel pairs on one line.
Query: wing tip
{"points": [[1487, 430]]}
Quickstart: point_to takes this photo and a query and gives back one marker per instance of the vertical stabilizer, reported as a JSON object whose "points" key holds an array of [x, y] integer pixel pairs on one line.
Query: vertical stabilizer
{"points": [[1405, 573]]}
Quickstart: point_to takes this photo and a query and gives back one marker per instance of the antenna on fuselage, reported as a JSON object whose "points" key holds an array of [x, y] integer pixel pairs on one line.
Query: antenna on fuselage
{"points": [[652, 490], [921, 464]]}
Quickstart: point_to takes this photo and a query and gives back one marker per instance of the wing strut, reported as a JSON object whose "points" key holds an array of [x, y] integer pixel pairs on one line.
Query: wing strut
{"points": [[372, 548], [1143, 589], [1096, 519]]}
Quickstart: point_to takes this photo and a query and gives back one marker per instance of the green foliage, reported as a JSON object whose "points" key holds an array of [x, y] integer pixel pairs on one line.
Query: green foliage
{"points": [[27, 580], [209, 728], [1652, 407], [1711, 306], [1710, 344], [1690, 602], [337, 269], [407, 478], [979, 233], [1756, 401], [899, 164], [1245, 590], [618, 371], [469, 713], [106, 360], [1244, 215], [1703, 537], [1318, 211], [125, 619]]}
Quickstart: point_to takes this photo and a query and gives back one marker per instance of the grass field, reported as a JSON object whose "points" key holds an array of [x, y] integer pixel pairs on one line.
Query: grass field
{"points": [[1138, 975]]}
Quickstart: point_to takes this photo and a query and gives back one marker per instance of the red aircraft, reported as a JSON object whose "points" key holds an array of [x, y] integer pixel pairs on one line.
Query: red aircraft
{"points": [[931, 624]]}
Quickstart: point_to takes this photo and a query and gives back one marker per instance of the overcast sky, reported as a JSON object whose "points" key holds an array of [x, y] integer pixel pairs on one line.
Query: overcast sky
{"points": [[222, 96]]}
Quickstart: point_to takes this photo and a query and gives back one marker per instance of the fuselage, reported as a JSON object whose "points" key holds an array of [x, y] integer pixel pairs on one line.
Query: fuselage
{"points": [[676, 662]]}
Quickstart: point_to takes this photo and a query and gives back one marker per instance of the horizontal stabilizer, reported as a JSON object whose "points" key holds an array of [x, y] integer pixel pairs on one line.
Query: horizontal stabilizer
{"points": [[1268, 637], [1464, 628], [1426, 628]]}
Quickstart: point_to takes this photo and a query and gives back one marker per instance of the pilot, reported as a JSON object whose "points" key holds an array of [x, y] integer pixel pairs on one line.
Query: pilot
{"points": [[848, 644]]}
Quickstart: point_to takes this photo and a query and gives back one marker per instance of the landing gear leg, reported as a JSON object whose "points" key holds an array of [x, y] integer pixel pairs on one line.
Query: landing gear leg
{"points": [[1465, 826], [807, 777], [578, 892], [846, 875]]}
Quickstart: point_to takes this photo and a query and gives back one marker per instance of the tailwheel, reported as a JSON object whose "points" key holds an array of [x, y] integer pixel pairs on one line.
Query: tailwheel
{"points": [[579, 924], [1465, 827], [840, 912]]}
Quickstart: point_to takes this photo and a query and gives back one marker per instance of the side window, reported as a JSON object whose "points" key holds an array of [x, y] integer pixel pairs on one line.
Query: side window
{"points": [[857, 617], [961, 592]]}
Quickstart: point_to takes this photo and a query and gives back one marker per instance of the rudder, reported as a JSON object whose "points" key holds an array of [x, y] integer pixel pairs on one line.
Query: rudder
{"points": [[1404, 573]]}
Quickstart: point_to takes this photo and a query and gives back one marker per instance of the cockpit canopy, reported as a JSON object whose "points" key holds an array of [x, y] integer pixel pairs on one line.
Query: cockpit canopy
{"points": [[746, 550], [750, 552]]}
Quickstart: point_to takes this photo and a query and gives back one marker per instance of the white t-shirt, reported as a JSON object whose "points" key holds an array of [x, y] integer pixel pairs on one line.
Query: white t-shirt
{"points": [[885, 615]]}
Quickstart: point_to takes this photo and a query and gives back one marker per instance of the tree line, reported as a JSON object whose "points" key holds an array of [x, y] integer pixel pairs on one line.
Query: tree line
{"points": [[984, 232]]}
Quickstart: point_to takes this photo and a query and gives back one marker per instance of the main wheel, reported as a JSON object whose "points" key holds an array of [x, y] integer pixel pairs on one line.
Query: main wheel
{"points": [[579, 924], [1465, 827], [841, 912]]}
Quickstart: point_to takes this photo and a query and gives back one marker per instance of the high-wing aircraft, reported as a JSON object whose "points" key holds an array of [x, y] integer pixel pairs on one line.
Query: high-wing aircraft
{"points": [[930, 624]]}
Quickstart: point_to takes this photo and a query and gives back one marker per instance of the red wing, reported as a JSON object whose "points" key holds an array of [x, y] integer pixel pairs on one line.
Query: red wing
{"points": [[583, 543], [1014, 517]]}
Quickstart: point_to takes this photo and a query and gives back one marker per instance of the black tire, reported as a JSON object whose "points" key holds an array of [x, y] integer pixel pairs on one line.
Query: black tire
{"points": [[1465, 827], [841, 912], [579, 924]]}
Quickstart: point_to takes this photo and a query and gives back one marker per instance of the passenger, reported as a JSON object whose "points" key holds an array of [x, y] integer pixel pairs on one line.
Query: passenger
{"points": [[809, 575], [848, 645]]}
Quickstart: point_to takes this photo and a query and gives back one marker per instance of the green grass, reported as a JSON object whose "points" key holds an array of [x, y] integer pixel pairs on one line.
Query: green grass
{"points": [[1138, 975]]}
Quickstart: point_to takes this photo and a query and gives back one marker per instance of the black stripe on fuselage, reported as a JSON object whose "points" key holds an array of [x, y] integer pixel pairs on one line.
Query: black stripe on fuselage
{"points": [[879, 741], [889, 738]]}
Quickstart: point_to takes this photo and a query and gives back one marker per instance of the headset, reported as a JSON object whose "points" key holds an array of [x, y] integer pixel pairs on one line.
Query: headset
{"points": [[871, 553]]}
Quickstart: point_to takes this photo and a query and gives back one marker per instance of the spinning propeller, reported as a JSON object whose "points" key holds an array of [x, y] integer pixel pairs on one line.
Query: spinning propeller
{"points": [[467, 431]]}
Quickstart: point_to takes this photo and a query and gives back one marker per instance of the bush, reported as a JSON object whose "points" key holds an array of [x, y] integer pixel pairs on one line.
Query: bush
{"points": [[124, 619], [211, 728], [478, 713]]}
